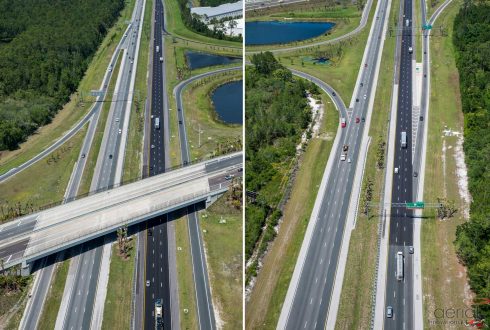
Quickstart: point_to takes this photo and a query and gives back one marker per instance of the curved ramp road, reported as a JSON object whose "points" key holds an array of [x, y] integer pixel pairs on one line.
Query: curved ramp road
{"points": [[204, 301], [307, 301], [362, 24]]}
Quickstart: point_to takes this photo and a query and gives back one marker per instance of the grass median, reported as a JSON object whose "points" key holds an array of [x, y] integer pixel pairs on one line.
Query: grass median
{"points": [[74, 110], [356, 296], [119, 289], [47, 319], [444, 280], [264, 303]]}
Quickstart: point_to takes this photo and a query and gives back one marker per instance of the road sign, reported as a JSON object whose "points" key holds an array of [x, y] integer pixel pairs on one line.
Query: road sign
{"points": [[416, 205], [427, 27]]}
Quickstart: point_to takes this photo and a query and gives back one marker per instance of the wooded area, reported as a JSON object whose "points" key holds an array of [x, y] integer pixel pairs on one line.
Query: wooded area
{"points": [[472, 41], [277, 114], [45, 48]]}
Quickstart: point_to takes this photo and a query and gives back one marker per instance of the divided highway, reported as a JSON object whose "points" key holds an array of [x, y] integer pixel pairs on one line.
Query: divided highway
{"points": [[399, 294], [307, 301]]}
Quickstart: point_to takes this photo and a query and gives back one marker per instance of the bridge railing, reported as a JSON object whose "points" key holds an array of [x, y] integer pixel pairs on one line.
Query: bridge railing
{"points": [[51, 243]]}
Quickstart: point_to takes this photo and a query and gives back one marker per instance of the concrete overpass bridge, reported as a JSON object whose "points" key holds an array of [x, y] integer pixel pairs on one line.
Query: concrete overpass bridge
{"points": [[40, 234]]}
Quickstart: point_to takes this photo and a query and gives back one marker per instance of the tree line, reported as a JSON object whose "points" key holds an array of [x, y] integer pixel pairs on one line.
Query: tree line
{"points": [[471, 39], [277, 114], [45, 49]]}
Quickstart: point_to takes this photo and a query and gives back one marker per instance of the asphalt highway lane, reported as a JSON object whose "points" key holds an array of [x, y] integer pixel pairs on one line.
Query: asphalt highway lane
{"points": [[311, 297], [399, 294]]}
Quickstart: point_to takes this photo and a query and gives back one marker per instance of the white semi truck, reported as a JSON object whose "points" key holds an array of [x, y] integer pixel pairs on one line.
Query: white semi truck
{"points": [[158, 314], [399, 266]]}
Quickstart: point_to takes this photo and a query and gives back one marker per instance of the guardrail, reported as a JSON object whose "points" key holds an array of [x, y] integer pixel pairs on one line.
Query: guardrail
{"points": [[99, 229]]}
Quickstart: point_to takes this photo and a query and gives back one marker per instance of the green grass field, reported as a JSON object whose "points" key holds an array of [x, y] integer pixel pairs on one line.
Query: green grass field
{"points": [[47, 319], [444, 278], [223, 243], [74, 110], [200, 115], [267, 297], [52, 175], [119, 290]]}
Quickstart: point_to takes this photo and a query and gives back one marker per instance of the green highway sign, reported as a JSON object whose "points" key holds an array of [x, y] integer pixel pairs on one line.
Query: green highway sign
{"points": [[427, 27], [416, 205]]}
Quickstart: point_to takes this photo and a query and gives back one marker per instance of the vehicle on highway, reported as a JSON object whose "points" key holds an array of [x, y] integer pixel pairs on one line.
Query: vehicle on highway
{"points": [[362, 84], [334, 94], [161, 59], [358, 120], [147, 282], [180, 122], [342, 157], [407, 22], [229, 177], [415, 174], [410, 50], [150, 232], [365, 65], [421, 118], [410, 249], [396, 170], [240, 169], [152, 146], [158, 312], [389, 312], [399, 266], [365, 96], [131, 61], [357, 99], [348, 160], [110, 156], [83, 155], [343, 123], [120, 131], [157, 123], [158, 49], [404, 139], [117, 120], [345, 147], [363, 119]]}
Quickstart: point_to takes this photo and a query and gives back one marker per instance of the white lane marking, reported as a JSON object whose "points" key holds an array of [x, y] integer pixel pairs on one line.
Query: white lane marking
{"points": [[10, 256]]}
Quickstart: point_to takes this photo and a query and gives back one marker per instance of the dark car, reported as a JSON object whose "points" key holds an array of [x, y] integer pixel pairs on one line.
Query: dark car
{"points": [[333, 93], [357, 120], [357, 100], [150, 232], [180, 122], [415, 174], [365, 65], [410, 249], [421, 118], [363, 119], [83, 155], [110, 156]]}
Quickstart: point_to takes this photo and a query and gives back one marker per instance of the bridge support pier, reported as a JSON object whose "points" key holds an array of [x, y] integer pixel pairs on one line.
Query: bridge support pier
{"points": [[26, 268], [211, 199]]}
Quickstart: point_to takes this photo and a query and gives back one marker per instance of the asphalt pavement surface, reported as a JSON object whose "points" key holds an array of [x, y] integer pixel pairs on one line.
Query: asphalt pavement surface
{"points": [[311, 298]]}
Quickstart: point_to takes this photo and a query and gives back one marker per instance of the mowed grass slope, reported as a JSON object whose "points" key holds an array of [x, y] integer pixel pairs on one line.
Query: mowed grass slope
{"points": [[222, 235], [443, 277]]}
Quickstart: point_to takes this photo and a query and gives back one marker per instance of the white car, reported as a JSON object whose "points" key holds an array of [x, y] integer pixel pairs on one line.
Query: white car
{"points": [[152, 146], [148, 283], [120, 131], [396, 170]]}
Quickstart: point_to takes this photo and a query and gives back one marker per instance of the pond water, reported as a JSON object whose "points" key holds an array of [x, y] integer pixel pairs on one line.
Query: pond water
{"points": [[228, 102], [275, 32], [196, 60]]}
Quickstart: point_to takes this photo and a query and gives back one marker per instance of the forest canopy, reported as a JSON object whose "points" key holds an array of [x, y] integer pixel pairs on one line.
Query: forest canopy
{"points": [[276, 116], [472, 42], [45, 48]]}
